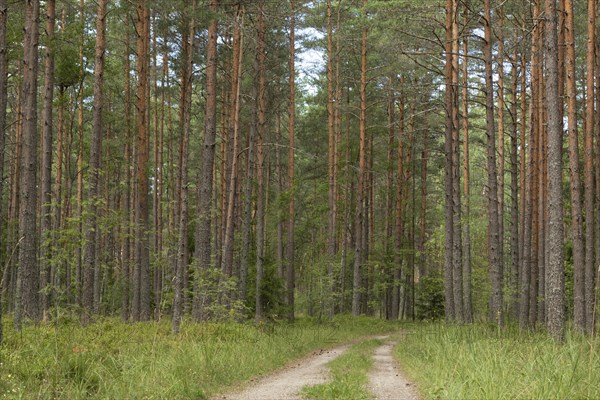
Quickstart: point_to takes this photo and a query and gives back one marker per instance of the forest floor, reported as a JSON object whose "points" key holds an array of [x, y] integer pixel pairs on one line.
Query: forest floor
{"points": [[385, 380]]}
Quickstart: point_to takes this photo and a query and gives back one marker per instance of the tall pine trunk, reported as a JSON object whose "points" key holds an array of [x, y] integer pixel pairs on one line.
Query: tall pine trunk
{"points": [[555, 294], [26, 301]]}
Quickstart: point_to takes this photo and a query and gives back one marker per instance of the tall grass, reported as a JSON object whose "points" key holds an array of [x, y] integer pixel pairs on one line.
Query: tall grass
{"points": [[479, 362], [113, 360]]}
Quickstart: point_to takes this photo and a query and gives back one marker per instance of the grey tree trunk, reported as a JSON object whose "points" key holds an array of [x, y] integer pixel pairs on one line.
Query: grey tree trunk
{"points": [[26, 297], [555, 294]]}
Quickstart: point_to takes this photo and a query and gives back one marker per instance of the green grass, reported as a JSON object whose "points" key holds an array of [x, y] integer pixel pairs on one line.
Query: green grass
{"points": [[110, 360], [478, 362], [348, 374]]}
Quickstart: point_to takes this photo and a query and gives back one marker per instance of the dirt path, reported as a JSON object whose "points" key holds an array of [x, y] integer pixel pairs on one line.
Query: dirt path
{"points": [[386, 382], [286, 384]]}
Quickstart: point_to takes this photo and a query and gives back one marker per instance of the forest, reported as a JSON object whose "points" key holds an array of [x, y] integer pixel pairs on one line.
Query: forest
{"points": [[185, 164]]}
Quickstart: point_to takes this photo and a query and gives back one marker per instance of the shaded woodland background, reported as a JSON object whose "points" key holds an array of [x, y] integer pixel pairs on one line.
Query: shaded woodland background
{"points": [[164, 159]]}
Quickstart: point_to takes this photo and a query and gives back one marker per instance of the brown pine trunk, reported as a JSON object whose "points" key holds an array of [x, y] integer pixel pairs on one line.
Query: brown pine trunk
{"points": [[46, 182], [26, 301], [590, 279], [290, 273], [359, 218], [494, 224], [574, 178], [448, 175], [501, 134], [555, 294], [205, 181], [457, 261]]}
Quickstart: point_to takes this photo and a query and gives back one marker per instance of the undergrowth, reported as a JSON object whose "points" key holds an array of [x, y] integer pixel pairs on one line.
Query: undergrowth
{"points": [[113, 360], [480, 362], [348, 374]]}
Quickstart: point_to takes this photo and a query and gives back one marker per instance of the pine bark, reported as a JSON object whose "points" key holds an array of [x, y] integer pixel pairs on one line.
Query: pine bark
{"points": [[555, 294], [590, 276], [494, 239], [26, 302], [141, 294], [359, 218], [575, 180], [46, 179], [260, 161]]}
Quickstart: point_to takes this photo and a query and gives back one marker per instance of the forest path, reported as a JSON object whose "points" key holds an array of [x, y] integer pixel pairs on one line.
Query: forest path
{"points": [[386, 382], [287, 383]]}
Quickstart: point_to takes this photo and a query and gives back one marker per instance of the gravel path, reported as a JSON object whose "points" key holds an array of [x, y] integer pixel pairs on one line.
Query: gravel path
{"points": [[286, 384], [386, 382]]}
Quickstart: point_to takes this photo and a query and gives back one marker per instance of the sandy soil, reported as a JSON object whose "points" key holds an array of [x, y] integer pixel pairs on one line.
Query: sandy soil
{"points": [[286, 384], [386, 382]]}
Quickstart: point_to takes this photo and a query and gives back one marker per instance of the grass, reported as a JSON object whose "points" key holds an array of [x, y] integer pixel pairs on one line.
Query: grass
{"points": [[479, 362], [348, 373], [110, 359]]}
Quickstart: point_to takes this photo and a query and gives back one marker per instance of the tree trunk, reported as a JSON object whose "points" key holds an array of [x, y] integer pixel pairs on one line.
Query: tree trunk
{"points": [[332, 151], [260, 160], [290, 273], [3, 102], [141, 294], [205, 180], [576, 207], [46, 182], [555, 295], [466, 234], [90, 258], [494, 239], [590, 279], [449, 306], [186, 100], [359, 217], [26, 302], [228, 218], [514, 191]]}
